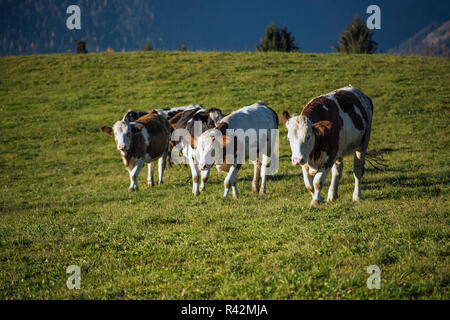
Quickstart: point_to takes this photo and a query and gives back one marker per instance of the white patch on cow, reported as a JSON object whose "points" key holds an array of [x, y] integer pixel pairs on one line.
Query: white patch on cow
{"points": [[364, 100], [350, 136], [358, 112], [175, 110], [144, 133]]}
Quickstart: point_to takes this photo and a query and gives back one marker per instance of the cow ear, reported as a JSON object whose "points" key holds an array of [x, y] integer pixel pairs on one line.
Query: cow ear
{"points": [[224, 140], [285, 116], [107, 130], [322, 128]]}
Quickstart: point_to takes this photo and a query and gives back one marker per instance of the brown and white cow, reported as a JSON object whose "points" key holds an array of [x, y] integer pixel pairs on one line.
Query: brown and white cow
{"points": [[171, 114], [245, 134], [140, 142], [330, 126]]}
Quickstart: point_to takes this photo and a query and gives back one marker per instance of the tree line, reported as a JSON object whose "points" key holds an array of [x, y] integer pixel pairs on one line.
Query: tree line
{"points": [[356, 38]]}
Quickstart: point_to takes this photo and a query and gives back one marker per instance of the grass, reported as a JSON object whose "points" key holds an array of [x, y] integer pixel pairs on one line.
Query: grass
{"points": [[64, 198]]}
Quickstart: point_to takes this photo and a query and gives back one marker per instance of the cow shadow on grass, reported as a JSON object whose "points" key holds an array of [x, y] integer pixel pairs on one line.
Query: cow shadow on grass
{"points": [[399, 186], [61, 207]]}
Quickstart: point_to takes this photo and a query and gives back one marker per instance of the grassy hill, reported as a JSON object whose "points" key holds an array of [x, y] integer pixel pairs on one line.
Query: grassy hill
{"points": [[64, 198]]}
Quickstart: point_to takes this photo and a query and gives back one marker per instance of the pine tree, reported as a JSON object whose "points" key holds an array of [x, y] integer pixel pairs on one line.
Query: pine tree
{"points": [[356, 38], [277, 40], [147, 47], [80, 46], [287, 41]]}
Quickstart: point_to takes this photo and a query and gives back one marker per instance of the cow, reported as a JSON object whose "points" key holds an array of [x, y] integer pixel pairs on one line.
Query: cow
{"points": [[330, 127], [205, 119], [140, 142], [172, 115], [231, 143]]}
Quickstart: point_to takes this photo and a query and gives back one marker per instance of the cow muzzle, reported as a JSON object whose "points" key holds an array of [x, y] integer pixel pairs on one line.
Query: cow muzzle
{"points": [[122, 147], [298, 161]]}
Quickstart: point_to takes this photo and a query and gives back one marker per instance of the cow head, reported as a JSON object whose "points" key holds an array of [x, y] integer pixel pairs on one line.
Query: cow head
{"points": [[130, 116], [123, 132], [214, 116], [302, 135], [209, 148]]}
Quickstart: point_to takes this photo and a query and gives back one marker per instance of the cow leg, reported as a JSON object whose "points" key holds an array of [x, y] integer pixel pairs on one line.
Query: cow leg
{"points": [[151, 169], [319, 179], [134, 173], [204, 177], [308, 179], [256, 174], [169, 159], [336, 174], [358, 172], [265, 163], [230, 181], [169, 155], [195, 174], [161, 167]]}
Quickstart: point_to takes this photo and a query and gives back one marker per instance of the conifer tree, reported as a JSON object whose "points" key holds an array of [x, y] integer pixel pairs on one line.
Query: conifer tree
{"points": [[148, 47], [277, 40], [356, 38]]}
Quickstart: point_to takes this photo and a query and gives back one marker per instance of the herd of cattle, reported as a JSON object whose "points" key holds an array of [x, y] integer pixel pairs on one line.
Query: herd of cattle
{"points": [[329, 127]]}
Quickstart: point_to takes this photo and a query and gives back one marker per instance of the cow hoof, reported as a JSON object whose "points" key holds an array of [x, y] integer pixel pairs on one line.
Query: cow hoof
{"points": [[196, 193], [262, 192], [151, 184], [160, 183], [314, 203], [331, 199], [356, 199], [132, 189], [235, 197]]}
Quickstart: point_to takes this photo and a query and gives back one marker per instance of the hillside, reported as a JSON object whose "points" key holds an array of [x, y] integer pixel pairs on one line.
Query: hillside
{"points": [[433, 40], [64, 198], [39, 26]]}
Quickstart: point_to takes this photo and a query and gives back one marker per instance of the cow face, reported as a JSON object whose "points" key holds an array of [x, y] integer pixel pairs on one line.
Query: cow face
{"points": [[208, 148], [123, 134], [122, 131], [301, 137]]}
